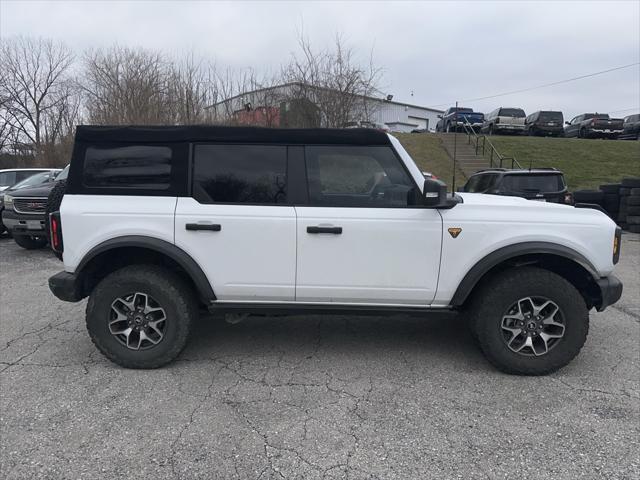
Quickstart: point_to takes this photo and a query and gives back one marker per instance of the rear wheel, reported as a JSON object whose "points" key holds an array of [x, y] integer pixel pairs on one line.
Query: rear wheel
{"points": [[141, 316], [30, 242], [529, 321]]}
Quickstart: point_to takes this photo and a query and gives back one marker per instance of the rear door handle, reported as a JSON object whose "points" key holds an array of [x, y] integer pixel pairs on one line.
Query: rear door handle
{"points": [[212, 227], [318, 229]]}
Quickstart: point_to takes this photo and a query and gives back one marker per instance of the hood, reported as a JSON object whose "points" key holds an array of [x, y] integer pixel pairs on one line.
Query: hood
{"points": [[38, 191], [508, 201]]}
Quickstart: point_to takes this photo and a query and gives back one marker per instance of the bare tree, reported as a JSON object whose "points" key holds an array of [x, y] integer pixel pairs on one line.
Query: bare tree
{"points": [[332, 80], [192, 87], [34, 90], [126, 86]]}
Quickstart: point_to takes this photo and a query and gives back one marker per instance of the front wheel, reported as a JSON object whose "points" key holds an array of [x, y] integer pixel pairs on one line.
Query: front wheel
{"points": [[141, 316], [529, 321], [30, 243]]}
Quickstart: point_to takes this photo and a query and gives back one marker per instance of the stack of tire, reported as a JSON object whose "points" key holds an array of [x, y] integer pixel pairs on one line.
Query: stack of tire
{"points": [[629, 210]]}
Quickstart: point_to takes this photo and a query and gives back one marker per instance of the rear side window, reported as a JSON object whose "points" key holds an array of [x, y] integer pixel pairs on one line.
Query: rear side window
{"points": [[354, 176], [136, 167], [533, 183], [242, 174]]}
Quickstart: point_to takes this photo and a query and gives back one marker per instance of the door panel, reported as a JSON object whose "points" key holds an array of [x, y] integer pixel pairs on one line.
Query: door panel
{"points": [[251, 256], [380, 255]]}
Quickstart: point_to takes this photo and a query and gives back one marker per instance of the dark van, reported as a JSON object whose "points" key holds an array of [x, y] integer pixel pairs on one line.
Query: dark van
{"points": [[544, 123]]}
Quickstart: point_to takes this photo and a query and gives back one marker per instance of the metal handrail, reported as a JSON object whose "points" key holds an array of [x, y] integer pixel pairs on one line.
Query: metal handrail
{"points": [[481, 144]]}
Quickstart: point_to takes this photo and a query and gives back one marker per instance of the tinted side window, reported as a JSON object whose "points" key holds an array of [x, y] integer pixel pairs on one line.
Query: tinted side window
{"points": [[352, 176], [140, 167], [240, 174]]}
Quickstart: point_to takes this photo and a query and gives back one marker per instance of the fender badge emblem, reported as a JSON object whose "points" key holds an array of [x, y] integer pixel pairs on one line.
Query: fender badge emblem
{"points": [[454, 232]]}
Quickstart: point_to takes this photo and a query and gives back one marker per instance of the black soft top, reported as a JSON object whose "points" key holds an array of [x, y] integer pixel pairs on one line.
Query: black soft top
{"points": [[208, 133]]}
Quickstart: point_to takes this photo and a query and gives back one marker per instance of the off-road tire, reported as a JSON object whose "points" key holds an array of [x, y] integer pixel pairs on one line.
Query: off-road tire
{"points": [[171, 292], [54, 200], [635, 192], [633, 201], [613, 188], [633, 210], [491, 302], [631, 182], [30, 243], [633, 219], [588, 196], [633, 228]]}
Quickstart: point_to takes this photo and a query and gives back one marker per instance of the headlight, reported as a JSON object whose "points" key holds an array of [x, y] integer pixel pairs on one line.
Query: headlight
{"points": [[8, 201]]}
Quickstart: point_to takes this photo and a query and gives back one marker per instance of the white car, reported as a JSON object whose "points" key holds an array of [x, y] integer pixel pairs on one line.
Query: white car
{"points": [[159, 221]]}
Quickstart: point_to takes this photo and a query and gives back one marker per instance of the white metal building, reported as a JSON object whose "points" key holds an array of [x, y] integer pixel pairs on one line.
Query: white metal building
{"points": [[264, 107], [404, 117]]}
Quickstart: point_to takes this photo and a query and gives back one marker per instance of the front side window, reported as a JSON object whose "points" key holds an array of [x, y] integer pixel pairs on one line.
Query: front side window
{"points": [[353, 176], [243, 174], [140, 167]]}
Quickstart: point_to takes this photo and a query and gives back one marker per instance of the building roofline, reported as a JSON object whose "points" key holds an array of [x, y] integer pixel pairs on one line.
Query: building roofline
{"points": [[368, 97]]}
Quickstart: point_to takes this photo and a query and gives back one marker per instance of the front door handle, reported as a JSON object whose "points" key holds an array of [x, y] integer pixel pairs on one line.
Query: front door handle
{"points": [[318, 229], [212, 227]]}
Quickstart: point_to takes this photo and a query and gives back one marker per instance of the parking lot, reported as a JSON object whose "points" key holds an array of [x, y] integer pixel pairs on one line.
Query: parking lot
{"points": [[309, 397]]}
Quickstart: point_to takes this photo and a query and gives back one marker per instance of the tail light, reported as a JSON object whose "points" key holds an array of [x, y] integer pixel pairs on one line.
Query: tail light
{"points": [[617, 243], [55, 227]]}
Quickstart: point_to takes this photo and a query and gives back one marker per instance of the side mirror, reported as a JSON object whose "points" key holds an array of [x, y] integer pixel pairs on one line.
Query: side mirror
{"points": [[434, 192], [439, 116], [567, 123]]}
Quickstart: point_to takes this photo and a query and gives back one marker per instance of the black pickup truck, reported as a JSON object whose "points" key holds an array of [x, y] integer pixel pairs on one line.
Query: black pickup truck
{"points": [[593, 125], [454, 118]]}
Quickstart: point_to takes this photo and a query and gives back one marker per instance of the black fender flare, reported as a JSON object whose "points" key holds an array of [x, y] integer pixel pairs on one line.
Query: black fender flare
{"points": [[504, 254], [183, 259]]}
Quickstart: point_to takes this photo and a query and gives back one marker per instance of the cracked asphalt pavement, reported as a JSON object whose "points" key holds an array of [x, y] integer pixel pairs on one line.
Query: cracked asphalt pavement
{"points": [[308, 397]]}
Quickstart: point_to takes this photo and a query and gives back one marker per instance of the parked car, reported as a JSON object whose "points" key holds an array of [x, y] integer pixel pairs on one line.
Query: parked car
{"points": [[504, 120], [542, 184], [9, 177], [240, 220], [631, 127], [29, 177], [24, 208], [593, 125], [454, 118], [544, 123]]}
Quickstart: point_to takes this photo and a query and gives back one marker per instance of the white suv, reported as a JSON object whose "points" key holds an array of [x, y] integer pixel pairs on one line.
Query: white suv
{"points": [[158, 221]]}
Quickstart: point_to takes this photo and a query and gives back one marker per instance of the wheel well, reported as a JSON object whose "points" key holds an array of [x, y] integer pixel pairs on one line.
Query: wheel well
{"points": [[569, 269], [116, 258]]}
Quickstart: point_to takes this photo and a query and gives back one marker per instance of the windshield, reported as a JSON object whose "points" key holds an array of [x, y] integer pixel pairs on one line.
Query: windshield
{"points": [[533, 183], [33, 180], [550, 117], [512, 112]]}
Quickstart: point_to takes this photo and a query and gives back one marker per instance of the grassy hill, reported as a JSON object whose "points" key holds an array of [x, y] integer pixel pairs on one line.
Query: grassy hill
{"points": [[585, 163], [428, 153]]}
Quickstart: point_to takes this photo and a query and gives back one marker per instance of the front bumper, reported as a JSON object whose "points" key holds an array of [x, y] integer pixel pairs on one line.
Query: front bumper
{"points": [[610, 291], [66, 287], [23, 224]]}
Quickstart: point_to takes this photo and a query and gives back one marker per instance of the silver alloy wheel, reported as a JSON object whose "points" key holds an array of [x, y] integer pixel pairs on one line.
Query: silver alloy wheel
{"points": [[532, 326], [137, 321]]}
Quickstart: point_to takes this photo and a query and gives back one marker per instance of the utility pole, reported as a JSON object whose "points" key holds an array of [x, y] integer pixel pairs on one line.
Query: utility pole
{"points": [[455, 147]]}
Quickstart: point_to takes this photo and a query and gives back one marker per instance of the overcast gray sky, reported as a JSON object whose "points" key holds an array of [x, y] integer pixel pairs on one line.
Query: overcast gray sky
{"points": [[440, 51]]}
